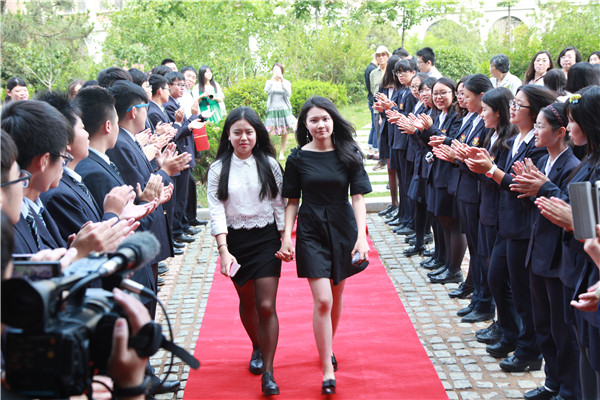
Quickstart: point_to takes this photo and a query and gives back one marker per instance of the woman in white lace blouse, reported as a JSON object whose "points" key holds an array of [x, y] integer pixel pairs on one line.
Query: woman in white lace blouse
{"points": [[247, 218]]}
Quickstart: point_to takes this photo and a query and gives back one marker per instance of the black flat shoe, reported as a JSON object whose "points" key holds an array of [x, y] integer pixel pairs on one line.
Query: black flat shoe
{"points": [[463, 291], [438, 271], [256, 362], [268, 385], [447, 277], [408, 238], [465, 311], [406, 231], [490, 335], [386, 210], [178, 245], [334, 362], [198, 222], [328, 387], [398, 228], [500, 350], [476, 316], [514, 364], [540, 393], [493, 326], [432, 264], [394, 222], [429, 253], [411, 251], [428, 260]]}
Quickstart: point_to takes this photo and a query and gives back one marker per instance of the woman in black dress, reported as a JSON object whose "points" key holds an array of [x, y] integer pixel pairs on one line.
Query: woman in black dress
{"points": [[329, 230], [247, 215]]}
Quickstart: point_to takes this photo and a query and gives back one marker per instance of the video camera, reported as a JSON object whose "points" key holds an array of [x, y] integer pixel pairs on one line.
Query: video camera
{"points": [[61, 330]]}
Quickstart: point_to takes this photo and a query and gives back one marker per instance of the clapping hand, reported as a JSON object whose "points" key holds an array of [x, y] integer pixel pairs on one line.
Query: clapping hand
{"points": [[556, 211], [528, 179]]}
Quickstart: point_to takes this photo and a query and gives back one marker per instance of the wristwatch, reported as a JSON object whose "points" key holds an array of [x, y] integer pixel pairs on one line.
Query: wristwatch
{"points": [[490, 173]]}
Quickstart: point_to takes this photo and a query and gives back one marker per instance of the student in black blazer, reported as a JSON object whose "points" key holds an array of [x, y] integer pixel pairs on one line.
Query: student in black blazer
{"points": [[557, 340], [578, 271], [466, 187], [507, 272]]}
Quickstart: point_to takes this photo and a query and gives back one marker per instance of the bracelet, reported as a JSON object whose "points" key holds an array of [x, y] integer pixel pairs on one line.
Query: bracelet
{"points": [[221, 245], [133, 391]]}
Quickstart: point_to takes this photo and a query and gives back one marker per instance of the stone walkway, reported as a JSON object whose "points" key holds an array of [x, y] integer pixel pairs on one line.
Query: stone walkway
{"points": [[462, 364]]}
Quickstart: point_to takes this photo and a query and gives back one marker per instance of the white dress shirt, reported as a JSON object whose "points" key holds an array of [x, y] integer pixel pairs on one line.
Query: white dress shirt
{"points": [[244, 209]]}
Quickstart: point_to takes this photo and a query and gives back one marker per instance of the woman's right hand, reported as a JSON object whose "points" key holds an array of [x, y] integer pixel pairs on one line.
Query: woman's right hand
{"points": [[286, 252], [226, 260]]}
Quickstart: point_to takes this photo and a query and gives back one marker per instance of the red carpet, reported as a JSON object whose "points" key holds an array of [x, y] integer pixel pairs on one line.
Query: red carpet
{"points": [[377, 348]]}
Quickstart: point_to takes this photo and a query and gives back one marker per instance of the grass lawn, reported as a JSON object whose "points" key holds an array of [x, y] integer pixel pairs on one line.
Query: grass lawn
{"points": [[358, 114]]}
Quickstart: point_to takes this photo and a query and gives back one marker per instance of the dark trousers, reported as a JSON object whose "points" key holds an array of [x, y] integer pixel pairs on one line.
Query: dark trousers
{"points": [[556, 339], [191, 211], [405, 174], [181, 197], [507, 271]]}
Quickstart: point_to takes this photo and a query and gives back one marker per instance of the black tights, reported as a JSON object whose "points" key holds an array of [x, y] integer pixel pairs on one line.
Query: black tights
{"points": [[259, 316], [420, 222], [438, 238], [456, 243]]}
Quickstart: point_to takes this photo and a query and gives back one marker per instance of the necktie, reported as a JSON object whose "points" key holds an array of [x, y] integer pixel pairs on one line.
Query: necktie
{"points": [[34, 230], [114, 167], [83, 188]]}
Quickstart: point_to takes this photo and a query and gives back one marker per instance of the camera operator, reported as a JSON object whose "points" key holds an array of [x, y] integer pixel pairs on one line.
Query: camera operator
{"points": [[125, 367]]}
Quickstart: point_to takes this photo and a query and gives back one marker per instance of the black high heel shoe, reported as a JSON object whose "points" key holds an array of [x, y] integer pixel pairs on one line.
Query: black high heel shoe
{"points": [[268, 385], [328, 387], [334, 362]]}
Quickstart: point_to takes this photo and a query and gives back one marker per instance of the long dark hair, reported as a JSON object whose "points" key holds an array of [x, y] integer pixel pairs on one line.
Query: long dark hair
{"points": [[499, 100], [538, 97], [202, 79], [584, 108], [263, 149], [581, 75], [389, 78], [348, 151], [429, 82], [530, 73]]}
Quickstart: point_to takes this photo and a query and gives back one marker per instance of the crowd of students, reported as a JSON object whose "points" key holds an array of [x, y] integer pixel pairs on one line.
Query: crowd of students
{"points": [[82, 170], [485, 165]]}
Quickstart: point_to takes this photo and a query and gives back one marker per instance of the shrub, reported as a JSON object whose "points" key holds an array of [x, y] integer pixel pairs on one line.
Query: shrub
{"points": [[303, 89], [250, 92], [455, 62]]}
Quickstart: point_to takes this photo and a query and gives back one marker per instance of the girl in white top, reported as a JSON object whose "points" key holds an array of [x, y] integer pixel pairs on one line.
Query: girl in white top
{"points": [[247, 216]]}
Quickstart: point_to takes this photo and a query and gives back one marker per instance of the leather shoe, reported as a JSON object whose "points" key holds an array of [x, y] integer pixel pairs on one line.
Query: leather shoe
{"points": [[447, 277], [328, 387], [394, 222], [540, 393], [435, 264], [493, 326], [334, 362], [406, 231], [462, 292], [178, 245], [429, 253], [557, 397], [256, 362], [162, 270], [391, 218], [411, 251], [184, 238], [499, 350], [197, 222], [428, 238], [490, 336], [428, 260], [465, 311], [162, 264], [514, 364], [177, 252], [160, 281], [192, 231], [398, 228], [167, 387], [437, 271], [268, 385], [386, 210], [476, 316]]}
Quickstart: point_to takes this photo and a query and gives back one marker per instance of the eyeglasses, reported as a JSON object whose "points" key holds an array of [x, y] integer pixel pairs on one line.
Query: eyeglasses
{"points": [[179, 84], [517, 106], [441, 94], [67, 158], [137, 106], [402, 72], [414, 87], [24, 177], [166, 87], [537, 126], [424, 91]]}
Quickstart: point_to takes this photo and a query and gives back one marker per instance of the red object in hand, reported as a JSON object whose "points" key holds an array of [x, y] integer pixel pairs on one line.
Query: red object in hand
{"points": [[201, 139]]}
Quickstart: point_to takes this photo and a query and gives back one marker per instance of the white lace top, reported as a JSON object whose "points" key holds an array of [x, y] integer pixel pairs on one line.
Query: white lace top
{"points": [[244, 208]]}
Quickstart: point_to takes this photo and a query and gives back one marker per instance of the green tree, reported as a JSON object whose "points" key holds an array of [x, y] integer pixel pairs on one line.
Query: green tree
{"points": [[45, 44], [407, 13]]}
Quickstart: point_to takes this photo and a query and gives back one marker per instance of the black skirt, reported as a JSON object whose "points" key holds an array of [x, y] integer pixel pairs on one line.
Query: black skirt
{"points": [[255, 251]]}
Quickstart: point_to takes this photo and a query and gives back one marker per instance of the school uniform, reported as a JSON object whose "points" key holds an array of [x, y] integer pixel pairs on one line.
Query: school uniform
{"points": [[556, 339], [384, 128], [46, 235], [184, 180], [507, 272], [71, 204]]}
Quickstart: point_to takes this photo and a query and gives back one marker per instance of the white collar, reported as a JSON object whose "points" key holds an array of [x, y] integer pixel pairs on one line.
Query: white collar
{"points": [[101, 155], [250, 161], [72, 174]]}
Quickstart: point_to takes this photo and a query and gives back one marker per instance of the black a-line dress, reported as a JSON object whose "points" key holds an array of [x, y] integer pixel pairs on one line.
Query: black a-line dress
{"points": [[326, 232]]}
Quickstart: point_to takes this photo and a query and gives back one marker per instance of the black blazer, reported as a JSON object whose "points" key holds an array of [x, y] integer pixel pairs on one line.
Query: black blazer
{"points": [[515, 214], [405, 103], [467, 184], [183, 138], [99, 177], [545, 246], [70, 207], [47, 230], [489, 192], [413, 147], [135, 168]]}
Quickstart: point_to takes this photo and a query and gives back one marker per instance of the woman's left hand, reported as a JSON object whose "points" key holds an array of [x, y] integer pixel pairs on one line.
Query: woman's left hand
{"points": [[444, 152], [587, 301], [362, 246], [556, 211]]}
